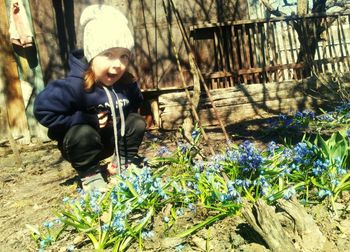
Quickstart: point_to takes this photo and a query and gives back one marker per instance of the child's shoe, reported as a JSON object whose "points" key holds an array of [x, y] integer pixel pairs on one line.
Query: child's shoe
{"points": [[94, 182]]}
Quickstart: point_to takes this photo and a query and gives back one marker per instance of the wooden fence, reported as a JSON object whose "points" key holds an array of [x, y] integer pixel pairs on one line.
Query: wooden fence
{"points": [[260, 51]]}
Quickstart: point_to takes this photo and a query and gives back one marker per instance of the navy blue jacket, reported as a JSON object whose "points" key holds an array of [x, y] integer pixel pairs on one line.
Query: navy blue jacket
{"points": [[64, 102]]}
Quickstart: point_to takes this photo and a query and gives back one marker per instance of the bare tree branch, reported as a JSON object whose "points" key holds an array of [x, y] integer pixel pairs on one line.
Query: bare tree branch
{"points": [[286, 3], [342, 4], [273, 11]]}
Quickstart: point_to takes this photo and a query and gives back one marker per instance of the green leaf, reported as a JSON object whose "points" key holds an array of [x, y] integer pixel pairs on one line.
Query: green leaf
{"points": [[322, 145], [94, 241], [202, 224]]}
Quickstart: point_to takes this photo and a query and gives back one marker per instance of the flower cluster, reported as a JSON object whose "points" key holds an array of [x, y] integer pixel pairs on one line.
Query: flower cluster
{"points": [[184, 181]]}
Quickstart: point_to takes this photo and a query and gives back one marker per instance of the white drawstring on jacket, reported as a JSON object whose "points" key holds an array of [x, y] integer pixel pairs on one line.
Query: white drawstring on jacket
{"points": [[116, 157]]}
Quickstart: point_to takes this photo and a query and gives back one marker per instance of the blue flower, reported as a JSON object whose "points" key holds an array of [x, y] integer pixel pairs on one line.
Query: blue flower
{"points": [[198, 166], [250, 159], [179, 211], [324, 193], [298, 115], [80, 191], [309, 114], [192, 207], [195, 133], [232, 155], [166, 219], [70, 248], [58, 221], [66, 200], [46, 241], [319, 167], [287, 153], [118, 223], [303, 153], [245, 183], [223, 197], [182, 147], [325, 118], [179, 248], [105, 227], [348, 133], [48, 224], [335, 182], [282, 117], [197, 176], [288, 193], [272, 146], [147, 234], [163, 150]]}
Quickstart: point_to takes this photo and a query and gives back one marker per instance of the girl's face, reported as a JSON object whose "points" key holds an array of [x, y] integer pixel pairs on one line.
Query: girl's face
{"points": [[110, 65]]}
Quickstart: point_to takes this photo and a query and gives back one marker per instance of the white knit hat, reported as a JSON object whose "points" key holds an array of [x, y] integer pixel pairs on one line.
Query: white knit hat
{"points": [[104, 27]]}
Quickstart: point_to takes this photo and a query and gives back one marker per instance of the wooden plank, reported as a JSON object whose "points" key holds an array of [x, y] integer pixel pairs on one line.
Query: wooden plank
{"points": [[234, 114], [234, 93], [10, 86], [290, 40], [30, 74], [338, 65], [260, 97], [342, 43], [329, 45], [299, 72], [235, 54], [246, 52], [266, 54], [216, 51], [273, 47], [285, 49], [261, 50], [54, 36], [318, 66], [241, 50], [254, 52], [243, 112], [275, 34]]}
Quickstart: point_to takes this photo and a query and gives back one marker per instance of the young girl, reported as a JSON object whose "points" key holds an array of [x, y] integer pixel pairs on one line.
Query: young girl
{"points": [[92, 113]]}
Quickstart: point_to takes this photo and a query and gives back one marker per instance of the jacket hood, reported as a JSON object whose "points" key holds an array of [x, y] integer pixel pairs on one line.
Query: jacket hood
{"points": [[77, 64]]}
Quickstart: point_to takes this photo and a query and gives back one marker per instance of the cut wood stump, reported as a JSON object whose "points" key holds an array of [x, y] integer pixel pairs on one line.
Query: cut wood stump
{"points": [[286, 227]]}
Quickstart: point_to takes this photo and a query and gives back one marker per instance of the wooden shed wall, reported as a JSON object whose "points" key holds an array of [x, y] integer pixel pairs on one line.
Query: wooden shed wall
{"points": [[57, 32]]}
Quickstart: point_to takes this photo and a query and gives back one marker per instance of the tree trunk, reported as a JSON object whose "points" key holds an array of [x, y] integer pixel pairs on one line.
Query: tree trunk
{"points": [[302, 7], [309, 32]]}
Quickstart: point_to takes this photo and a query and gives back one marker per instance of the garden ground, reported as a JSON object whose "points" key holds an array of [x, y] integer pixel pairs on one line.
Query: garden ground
{"points": [[30, 194]]}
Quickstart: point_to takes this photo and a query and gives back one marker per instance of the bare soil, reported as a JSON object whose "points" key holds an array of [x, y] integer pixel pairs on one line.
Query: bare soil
{"points": [[30, 194]]}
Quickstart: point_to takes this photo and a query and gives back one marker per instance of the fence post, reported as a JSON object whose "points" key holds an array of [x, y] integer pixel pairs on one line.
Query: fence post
{"points": [[30, 75]]}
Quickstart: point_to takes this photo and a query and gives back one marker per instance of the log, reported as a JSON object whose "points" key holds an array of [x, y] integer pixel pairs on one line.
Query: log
{"points": [[269, 89], [262, 218], [306, 228], [173, 116], [299, 234]]}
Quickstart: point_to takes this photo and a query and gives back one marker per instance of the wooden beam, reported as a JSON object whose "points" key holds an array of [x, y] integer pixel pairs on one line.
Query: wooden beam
{"points": [[10, 86], [30, 75]]}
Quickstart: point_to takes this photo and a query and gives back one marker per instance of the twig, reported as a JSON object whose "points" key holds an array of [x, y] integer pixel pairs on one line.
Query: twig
{"points": [[193, 109], [11, 140], [196, 68]]}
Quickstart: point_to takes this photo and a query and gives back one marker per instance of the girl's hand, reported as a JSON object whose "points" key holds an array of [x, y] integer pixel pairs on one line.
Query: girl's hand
{"points": [[102, 119]]}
